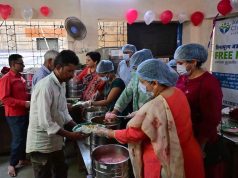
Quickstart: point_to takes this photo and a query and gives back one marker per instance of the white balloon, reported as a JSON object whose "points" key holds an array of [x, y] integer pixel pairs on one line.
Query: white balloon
{"points": [[27, 13], [234, 4], [149, 17], [182, 17]]}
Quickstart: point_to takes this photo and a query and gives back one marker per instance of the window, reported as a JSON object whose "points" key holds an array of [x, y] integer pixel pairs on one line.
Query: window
{"points": [[47, 43], [112, 33]]}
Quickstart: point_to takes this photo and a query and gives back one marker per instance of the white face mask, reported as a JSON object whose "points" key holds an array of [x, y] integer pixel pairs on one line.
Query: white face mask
{"points": [[144, 90], [142, 87], [181, 69], [104, 78], [126, 57]]}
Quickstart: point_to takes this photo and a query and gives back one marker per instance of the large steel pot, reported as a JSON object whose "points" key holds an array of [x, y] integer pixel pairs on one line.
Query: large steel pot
{"points": [[96, 140], [94, 111], [110, 161]]}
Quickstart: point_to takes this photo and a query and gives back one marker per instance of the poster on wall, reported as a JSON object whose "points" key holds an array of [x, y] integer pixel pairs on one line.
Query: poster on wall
{"points": [[225, 59]]}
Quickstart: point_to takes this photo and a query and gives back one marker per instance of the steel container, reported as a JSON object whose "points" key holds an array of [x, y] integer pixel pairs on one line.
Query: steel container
{"points": [[97, 140], [110, 161], [94, 111]]}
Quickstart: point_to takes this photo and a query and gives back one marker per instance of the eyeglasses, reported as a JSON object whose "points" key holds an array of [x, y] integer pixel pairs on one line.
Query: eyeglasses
{"points": [[21, 63]]}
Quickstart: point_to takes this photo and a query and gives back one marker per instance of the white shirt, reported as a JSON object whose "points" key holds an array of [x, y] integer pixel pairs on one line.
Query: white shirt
{"points": [[48, 113], [124, 72]]}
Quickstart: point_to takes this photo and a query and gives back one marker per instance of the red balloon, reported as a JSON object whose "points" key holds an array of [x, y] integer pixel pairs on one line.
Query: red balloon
{"points": [[224, 7], [166, 16], [5, 11], [131, 16], [197, 18], [45, 11]]}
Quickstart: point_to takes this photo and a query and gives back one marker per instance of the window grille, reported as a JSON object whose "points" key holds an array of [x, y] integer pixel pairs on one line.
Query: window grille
{"points": [[31, 40], [111, 33]]}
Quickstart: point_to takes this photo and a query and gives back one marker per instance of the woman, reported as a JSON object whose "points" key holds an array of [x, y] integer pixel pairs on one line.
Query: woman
{"points": [[160, 136], [113, 87], [132, 92], [204, 95], [123, 70], [88, 80]]}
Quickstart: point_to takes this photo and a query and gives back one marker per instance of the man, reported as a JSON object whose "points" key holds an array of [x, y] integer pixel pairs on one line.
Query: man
{"points": [[46, 68], [48, 115], [15, 99], [123, 70]]}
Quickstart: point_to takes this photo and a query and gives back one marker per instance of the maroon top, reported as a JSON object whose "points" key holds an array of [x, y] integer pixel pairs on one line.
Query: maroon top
{"points": [[13, 94], [205, 99]]}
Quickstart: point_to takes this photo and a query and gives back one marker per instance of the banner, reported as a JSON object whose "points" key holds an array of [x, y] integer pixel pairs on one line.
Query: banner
{"points": [[225, 59]]}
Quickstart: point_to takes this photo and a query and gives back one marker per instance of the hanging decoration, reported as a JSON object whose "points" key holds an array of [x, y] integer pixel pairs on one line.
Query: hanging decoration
{"points": [[166, 17], [149, 17], [234, 4], [224, 7], [27, 13], [5, 11], [45, 11], [197, 18], [131, 16], [182, 17]]}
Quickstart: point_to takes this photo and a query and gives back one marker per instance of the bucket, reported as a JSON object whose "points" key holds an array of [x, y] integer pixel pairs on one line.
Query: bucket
{"points": [[110, 161]]}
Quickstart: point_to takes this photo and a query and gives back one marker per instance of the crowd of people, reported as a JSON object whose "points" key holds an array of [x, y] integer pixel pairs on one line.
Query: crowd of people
{"points": [[175, 109]]}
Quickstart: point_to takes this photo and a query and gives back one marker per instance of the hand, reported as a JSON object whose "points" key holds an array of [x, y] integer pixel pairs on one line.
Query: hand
{"points": [[130, 115], [86, 104], [27, 104], [77, 136], [110, 117], [101, 131]]}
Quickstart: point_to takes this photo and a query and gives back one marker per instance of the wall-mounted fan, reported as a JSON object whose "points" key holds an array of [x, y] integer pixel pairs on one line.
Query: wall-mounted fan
{"points": [[75, 28]]}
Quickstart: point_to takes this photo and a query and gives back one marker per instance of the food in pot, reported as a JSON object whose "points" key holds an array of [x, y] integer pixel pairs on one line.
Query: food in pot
{"points": [[112, 159]]}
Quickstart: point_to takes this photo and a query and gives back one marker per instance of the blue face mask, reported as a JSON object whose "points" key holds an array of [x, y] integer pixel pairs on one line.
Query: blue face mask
{"points": [[104, 78]]}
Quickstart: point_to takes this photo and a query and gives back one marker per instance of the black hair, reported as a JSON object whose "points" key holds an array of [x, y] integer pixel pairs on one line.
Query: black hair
{"points": [[198, 65], [65, 58], [95, 56], [13, 57]]}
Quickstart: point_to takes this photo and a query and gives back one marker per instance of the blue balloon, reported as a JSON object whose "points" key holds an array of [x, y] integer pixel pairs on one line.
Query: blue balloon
{"points": [[74, 29]]}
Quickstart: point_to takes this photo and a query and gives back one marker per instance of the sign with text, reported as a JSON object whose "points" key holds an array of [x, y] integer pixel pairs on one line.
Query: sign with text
{"points": [[225, 59]]}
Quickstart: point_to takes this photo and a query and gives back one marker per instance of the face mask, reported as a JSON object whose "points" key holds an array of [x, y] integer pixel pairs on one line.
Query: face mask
{"points": [[142, 87], [104, 78], [126, 57], [181, 69]]}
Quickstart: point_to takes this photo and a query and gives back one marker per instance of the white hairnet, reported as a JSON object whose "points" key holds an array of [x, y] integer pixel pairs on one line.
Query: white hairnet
{"points": [[191, 51], [129, 47], [104, 66], [156, 70], [139, 57]]}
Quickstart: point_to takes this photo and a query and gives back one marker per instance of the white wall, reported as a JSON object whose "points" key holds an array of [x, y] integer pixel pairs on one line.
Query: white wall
{"points": [[89, 11]]}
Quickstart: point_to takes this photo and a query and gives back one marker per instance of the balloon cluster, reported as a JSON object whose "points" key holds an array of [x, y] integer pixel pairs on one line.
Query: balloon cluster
{"points": [[26, 12]]}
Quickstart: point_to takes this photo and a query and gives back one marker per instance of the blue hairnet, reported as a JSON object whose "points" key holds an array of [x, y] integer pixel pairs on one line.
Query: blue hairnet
{"points": [[156, 70], [129, 47], [191, 51], [172, 63], [104, 66], [139, 57]]}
